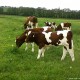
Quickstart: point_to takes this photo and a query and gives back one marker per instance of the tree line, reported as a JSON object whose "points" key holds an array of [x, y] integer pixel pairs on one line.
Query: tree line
{"points": [[41, 12]]}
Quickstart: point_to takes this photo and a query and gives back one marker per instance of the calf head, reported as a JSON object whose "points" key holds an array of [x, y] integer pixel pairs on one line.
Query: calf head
{"points": [[51, 24], [20, 40], [48, 23]]}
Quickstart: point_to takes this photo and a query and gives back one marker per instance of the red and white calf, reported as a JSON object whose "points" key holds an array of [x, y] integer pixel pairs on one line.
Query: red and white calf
{"points": [[50, 24], [31, 22], [54, 38], [21, 39], [62, 26]]}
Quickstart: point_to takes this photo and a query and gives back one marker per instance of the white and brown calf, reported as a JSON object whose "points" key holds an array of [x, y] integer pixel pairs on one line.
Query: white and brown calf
{"points": [[31, 22], [21, 39], [61, 26], [54, 38], [50, 24]]}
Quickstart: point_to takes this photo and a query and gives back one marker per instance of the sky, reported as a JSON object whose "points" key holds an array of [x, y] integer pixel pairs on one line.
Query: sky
{"points": [[48, 4]]}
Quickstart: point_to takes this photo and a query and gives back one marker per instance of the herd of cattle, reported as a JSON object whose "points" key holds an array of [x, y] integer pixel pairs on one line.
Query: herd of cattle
{"points": [[50, 34]]}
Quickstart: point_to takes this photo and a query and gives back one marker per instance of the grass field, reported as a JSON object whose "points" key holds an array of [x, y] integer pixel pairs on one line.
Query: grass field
{"points": [[18, 64]]}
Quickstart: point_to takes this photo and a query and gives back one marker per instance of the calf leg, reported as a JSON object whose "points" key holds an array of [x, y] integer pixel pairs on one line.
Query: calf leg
{"points": [[43, 52], [71, 52], [64, 53], [40, 52], [26, 46], [32, 46]]}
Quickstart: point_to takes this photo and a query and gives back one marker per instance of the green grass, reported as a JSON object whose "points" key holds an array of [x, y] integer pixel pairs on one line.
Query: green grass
{"points": [[18, 64]]}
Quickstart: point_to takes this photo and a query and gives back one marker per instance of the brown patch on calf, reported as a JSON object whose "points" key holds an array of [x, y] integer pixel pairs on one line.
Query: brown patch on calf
{"points": [[38, 38], [69, 38], [55, 38], [49, 30], [58, 28], [67, 24], [61, 36]]}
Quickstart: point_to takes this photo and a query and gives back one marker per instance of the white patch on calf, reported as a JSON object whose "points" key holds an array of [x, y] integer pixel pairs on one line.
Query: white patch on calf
{"points": [[45, 28], [29, 32], [64, 40], [64, 32], [47, 35]]}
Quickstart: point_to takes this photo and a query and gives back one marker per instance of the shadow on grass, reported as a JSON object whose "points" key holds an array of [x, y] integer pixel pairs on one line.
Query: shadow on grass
{"points": [[14, 50]]}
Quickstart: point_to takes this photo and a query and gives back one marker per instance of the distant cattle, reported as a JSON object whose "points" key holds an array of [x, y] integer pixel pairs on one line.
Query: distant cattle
{"points": [[61, 26], [31, 22], [50, 24], [21, 39], [54, 38]]}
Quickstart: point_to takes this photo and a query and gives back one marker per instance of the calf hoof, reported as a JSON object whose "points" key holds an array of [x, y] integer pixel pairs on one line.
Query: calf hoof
{"points": [[38, 58], [32, 50], [62, 59], [73, 59]]}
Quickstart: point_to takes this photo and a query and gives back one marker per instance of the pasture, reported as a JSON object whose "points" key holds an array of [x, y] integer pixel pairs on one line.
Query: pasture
{"points": [[18, 64]]}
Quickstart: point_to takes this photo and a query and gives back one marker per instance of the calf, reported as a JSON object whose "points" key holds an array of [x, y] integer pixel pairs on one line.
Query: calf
{"points": [[50, 24], [31, 22], [63, 26], [54, 38], [21, 39]]}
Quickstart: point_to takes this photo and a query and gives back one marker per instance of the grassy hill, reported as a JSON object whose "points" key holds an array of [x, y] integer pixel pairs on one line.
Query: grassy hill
{"points": [[18, 64]]}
